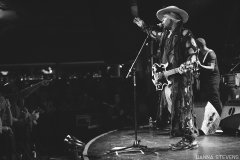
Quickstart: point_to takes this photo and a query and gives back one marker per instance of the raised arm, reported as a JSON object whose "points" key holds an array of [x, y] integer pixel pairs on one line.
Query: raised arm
{"points": [[9, 113], [145, 28], [31, 89]]}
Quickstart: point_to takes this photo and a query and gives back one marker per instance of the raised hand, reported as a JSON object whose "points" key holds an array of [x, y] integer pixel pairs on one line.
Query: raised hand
{"points": [[35, 115], [139, 22], [26, 113]]}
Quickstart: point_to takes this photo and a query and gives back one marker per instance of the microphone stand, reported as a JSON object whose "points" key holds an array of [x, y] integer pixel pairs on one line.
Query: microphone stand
{"points": [[136, 144]]}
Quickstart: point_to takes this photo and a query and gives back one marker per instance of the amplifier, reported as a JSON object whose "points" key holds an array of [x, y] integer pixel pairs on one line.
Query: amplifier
{"points": [[230, 117]]}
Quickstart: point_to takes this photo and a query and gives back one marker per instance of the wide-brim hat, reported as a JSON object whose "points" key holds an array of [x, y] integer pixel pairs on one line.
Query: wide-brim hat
{"points": [[183, 14]]}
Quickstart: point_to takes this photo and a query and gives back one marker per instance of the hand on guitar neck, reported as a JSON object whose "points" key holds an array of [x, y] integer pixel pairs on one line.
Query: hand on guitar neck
{"points": [[185, 67]]}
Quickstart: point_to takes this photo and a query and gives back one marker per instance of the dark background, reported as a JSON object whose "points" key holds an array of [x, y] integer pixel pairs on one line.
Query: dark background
{"points": [[80, 38], [73, 30]]}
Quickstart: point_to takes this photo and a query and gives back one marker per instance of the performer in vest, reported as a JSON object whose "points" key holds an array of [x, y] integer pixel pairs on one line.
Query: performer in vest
{"points": [[209, 75]]}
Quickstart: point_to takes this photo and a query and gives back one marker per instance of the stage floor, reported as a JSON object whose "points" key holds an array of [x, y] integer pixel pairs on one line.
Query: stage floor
{"points": [[217, 146]]}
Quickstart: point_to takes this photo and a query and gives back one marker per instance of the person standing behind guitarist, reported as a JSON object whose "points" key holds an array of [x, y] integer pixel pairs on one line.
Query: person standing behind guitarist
{"points": [[176, 46], [209, 75]]}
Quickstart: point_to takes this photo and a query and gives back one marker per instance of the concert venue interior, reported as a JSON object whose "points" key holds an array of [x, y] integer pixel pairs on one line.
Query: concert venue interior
{"points": [[78, 55]]}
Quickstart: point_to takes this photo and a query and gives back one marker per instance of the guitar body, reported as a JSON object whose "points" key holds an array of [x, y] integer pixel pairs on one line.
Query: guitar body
{"points": [[158, 77], [160, 73]]}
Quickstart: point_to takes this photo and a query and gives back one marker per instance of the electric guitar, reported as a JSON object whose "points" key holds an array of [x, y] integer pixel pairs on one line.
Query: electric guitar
{"points": [[160, 74]]}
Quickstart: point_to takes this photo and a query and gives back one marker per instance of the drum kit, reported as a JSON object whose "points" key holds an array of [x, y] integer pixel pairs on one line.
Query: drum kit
{"points": [[231, 80]]}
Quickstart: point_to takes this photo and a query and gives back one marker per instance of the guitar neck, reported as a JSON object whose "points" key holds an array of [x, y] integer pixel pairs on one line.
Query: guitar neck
{"points": [[171, 72]]}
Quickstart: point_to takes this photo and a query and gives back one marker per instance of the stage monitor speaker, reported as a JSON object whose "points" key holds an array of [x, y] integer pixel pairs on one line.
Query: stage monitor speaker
{"points": [[207, 118], [230, 117]]}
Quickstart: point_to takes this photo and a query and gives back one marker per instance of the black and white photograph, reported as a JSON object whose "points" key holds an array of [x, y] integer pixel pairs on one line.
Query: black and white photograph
{"points": [[120, 80]]}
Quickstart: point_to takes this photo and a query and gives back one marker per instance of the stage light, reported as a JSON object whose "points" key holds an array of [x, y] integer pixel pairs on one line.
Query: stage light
{"points": [[49, 70], [4, 73]]}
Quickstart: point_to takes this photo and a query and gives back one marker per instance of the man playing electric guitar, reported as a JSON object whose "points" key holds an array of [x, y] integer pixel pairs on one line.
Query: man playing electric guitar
{"points": [[176, 46]]}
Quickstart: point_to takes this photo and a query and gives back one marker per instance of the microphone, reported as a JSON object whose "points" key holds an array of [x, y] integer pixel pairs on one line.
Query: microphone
{"points": [[160, 25]]}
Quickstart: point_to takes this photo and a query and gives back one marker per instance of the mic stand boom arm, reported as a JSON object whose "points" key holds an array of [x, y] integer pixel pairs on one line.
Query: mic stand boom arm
{"points": [[135, 60]]}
